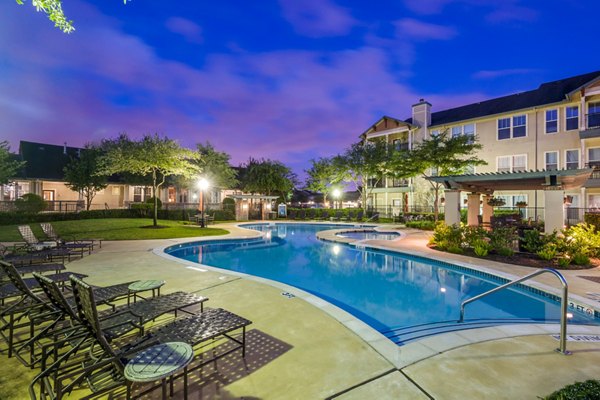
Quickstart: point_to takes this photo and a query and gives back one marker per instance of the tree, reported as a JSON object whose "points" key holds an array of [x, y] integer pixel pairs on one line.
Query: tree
{"points": [[9, 166], [268, 177], [321, 176], [443, 155], [81, 175], [214, 166], [53, 8], [364, 164], [152, 156]]}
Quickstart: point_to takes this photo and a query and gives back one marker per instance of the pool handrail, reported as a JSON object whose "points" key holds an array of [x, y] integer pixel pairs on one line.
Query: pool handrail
{"points": [[563, 302]]}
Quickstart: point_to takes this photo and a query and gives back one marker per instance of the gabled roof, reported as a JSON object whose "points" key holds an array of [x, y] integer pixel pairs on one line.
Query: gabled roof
{"points": [[546, 93], [389, 122], [45, 161]]}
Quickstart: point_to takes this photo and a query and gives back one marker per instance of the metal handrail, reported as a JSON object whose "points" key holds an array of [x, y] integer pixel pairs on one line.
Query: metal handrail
{"points": [[563, 302]]}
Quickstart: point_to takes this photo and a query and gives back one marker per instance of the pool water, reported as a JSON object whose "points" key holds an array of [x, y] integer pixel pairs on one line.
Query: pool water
{"points": [[369, 235], [387, 290]]}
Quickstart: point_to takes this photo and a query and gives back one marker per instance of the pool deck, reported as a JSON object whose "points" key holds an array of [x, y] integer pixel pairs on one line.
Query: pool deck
{"points": [[297, 350]]}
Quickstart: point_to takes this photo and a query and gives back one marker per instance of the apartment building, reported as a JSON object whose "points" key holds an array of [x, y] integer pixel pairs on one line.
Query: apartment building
{"points": [[556, 126]]}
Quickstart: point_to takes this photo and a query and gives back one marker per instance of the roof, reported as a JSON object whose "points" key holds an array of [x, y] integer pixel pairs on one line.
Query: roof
{"points": [[565, 179], [385, 118], [546, 93], [45, 161]]}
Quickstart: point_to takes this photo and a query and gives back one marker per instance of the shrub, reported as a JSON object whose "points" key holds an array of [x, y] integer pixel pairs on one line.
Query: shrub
{"points": [[474, 234], [564, 262], [424, 225], [229, 204], [580, 259], [450, 236], [505, 251], [592, 219], [455, 249], [582, 239], [151, 202], [502, 240], [533, 240], [588, 390], [547, 252], [481, 247], [31, 203], [223, 215]]}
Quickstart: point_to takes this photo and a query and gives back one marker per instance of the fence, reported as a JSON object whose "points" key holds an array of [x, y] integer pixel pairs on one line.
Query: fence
{"points": [[63, 206]]}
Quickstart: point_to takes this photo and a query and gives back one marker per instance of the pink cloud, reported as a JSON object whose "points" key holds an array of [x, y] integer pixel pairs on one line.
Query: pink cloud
{"points": [[186, 28], [420, 30], [315, 18], [492, 74], [501, 11]]}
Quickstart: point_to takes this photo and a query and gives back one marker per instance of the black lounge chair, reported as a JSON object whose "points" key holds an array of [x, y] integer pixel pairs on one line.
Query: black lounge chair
{"points": [[87, 244], [51, 249], [107, 372]]}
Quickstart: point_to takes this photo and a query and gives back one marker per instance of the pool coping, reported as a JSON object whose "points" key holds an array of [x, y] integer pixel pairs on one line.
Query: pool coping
{"points": [[418, 350]]}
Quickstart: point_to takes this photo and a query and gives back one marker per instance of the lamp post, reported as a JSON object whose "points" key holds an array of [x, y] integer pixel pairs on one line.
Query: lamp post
{"points": [[203, 185], [336, 195]]}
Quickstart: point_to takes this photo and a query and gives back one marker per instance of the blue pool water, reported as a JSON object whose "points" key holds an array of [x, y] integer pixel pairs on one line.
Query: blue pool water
{"points": [[370, 235], [387, 290]]}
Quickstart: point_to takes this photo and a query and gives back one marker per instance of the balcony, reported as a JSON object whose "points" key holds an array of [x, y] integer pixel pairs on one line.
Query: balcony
{"points": [[592, 129], [594, 180]]}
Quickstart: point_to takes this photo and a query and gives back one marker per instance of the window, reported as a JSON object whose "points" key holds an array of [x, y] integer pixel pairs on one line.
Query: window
{"points": [[400, 182], [469, 130], [511, 163], [434, 132], [551, 160], [456, 131], [470, 170], [503, 128], [572, 159], [593, 115], [552, 121], [572, 118], [594, 156], [396, 202], [519, 126], [400, 145], [434, 171], [116, 190]]}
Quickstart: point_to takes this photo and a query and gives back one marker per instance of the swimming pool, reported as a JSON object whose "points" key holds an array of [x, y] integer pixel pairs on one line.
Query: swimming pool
{"points": [[369, 235], [391, 292]]}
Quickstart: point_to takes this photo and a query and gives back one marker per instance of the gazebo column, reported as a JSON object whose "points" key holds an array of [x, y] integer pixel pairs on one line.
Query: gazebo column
{"points": [[473, 209], [554, 210], [487, 211], [452, 207]]}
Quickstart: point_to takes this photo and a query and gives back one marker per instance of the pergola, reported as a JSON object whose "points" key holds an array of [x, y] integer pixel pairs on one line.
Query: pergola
{"points": [[552, 182], [244, 201]]}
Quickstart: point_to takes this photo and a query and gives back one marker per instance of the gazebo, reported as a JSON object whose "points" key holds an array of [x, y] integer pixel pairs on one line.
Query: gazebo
{"points": [[552, 182], [246, 204]]}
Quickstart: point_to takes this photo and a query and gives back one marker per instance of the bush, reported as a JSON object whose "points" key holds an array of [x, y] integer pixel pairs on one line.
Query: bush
{"points": [[502, 239], [151, 202], [474, 234], [31, 203], [588, 390], [592, 219], [481, 247], [229, 204], [447, 237], [424, 225], [223, 215], [582, 239], [533, 240], [580, 259], [564, 262], [547, 252]]}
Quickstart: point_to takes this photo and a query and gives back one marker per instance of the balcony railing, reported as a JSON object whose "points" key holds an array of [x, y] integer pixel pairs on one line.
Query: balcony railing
{"points": [[596, 166]]}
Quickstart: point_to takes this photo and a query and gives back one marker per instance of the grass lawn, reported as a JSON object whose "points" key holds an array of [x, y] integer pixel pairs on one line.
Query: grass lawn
{"points": [[114, 229]]}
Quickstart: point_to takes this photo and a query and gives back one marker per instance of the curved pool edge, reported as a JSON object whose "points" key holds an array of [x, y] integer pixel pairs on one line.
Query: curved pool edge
{"points": [[420, 349]]}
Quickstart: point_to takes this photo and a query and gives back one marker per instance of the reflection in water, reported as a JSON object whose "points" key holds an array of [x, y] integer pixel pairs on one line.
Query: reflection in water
{"points": [[385, 290]]}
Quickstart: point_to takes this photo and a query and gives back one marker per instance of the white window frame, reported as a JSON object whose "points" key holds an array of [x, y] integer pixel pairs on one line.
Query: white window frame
{"points": [[578, 158], [546, 120], [460, 131], [511, 127], [567, 118], [557, 159], [512, 161], [588, 155]]}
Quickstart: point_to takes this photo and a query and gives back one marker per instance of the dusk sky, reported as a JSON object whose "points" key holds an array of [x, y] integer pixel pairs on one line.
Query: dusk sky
{"points": [[288, 80]]}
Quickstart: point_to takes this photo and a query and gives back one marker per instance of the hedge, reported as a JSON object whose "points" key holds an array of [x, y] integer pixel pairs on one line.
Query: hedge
{"points": [[592, 219], [588, 390]]}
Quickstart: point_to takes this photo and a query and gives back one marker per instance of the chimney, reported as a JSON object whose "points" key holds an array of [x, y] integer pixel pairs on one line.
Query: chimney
{"points": [[65, 148], [421, 117]]}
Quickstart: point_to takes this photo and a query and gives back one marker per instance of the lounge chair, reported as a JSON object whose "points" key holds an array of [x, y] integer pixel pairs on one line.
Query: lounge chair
{"points": [[107, 372], [49, 231], [51, 248]]}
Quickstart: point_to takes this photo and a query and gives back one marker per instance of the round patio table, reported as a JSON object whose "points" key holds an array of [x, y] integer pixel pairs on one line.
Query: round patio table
{"points": [[143, 286], [159, 363]]}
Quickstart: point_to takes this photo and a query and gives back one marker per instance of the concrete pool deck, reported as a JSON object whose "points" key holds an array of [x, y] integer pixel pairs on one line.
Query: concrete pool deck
{"points": [[298, 351]]}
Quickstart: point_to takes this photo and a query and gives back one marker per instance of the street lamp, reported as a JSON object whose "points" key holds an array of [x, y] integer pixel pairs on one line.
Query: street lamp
{"points": [[336, 195], [202, 185]]}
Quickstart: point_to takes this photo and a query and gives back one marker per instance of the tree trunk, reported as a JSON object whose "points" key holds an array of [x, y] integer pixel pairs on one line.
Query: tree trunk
{"points": [[154, 190]]}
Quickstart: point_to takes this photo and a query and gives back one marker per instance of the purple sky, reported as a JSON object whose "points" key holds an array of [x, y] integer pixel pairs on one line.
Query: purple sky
{"points": [[288, 80]]}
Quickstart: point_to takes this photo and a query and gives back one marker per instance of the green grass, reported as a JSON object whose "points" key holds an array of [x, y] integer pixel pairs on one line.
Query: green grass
{"points": [[114, 229]]}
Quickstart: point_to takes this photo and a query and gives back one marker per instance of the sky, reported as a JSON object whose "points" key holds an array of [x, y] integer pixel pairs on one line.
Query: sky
{"points": [[289, 80]]}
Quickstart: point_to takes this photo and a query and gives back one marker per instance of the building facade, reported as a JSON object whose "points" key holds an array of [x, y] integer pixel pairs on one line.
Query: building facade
{"points": [[556, 126]]}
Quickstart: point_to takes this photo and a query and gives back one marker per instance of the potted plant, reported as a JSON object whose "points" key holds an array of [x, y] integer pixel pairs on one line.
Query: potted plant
{"points": [[496, 202], [521, 204]]}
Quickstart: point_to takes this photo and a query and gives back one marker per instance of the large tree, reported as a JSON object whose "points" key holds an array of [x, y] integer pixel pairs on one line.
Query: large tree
{"points": [[81, 174], [364, 165], [321, 176], [154, 156], [53, 8], [268, 177], [441, 155], [214, 166], [9, 166]]}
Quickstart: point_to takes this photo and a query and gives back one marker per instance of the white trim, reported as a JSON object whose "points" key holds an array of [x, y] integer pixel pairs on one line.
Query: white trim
{"points": [[557, 159], [512, 161], [387, 132], [578, 116]]}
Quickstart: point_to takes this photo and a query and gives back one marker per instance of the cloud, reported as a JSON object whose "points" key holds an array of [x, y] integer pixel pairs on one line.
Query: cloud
{"points": [[317, 18], [423, 31], [493, 74], [186, 28], [499, 11]]}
